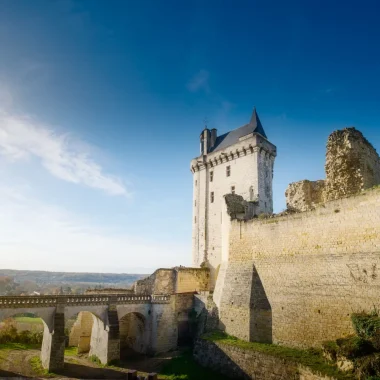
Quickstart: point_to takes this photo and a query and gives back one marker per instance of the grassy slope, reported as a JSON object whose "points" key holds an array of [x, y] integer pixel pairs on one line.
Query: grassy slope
{"points": [[310, 358], [28, 320]]}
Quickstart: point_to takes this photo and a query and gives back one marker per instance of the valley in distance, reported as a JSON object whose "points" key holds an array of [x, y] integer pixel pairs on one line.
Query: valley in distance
{"points": [[29, 282]]}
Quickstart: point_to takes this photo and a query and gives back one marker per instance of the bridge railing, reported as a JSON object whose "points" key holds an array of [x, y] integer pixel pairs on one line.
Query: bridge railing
{"points": [[27, 301], [7, 302]]}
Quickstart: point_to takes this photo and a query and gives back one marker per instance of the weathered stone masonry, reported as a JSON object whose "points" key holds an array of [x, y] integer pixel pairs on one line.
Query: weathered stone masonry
{"points": [[296, 279], [240, 363], [352, 165]]}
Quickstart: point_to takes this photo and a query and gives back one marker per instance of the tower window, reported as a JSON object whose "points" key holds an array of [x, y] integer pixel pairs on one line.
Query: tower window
{"points": [[211, 176], [228, 171], [195, 219], [232, 189], [212, 197], [196, 182], [195, 203]]}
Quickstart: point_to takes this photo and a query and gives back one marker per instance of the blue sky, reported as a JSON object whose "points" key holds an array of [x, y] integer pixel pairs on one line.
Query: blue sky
{"points": [[102, 103]]}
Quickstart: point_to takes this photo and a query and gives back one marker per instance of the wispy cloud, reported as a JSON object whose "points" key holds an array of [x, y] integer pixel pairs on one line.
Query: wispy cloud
{"points": [[38, 235], [199, 82], [63, 156]]}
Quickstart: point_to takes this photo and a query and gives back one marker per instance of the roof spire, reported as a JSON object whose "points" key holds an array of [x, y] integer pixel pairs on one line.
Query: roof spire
{"points": [[256, 124]]}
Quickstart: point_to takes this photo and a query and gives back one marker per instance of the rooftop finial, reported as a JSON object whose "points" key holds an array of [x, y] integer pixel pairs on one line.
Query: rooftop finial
{"points": [[205, 120]]}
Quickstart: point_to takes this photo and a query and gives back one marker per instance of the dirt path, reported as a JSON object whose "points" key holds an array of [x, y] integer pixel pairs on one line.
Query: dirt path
{"points": [[17, 363]]}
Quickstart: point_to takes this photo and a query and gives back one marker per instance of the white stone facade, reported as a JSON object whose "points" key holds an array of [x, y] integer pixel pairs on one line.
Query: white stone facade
{"points": [[245, 168]]}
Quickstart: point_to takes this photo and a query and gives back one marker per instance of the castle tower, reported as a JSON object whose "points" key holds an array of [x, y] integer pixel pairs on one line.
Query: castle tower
{"points": [[240, 161]]}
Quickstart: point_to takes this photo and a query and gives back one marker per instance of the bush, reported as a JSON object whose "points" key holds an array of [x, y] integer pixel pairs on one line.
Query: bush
{"points": [[366, 325], [376, 340], [368, 367], [354, 347], [330, 348], [9, 334]]}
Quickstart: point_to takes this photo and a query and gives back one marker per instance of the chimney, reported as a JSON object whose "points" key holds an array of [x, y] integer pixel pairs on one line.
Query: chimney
{"points": [[213, 137]]}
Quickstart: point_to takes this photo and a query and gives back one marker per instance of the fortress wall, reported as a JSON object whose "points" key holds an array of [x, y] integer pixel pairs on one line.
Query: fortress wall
{"points": [[296, 279]]}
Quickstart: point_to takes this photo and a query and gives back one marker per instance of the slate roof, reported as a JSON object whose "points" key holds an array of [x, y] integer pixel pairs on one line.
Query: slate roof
{"points": [[232, 137]]}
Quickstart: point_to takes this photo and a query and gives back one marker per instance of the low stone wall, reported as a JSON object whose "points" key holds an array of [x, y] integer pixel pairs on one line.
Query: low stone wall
{"points": [[240, 363]]}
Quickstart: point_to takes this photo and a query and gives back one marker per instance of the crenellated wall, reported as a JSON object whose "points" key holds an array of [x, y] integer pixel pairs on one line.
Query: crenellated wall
{"points": [[296, 279]]}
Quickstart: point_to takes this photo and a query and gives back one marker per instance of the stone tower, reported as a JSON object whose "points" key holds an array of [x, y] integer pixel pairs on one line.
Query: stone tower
{"points": [[241, 162]]}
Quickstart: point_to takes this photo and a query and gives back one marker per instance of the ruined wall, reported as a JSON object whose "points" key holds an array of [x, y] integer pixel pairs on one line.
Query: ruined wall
{"points": [[296, 279], [174, 280], [162, 281], [80, 333], [304, 195], [352, 165]]}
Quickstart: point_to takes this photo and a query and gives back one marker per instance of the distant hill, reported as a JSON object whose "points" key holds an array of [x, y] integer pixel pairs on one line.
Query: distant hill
{"points": [[25, 281]]}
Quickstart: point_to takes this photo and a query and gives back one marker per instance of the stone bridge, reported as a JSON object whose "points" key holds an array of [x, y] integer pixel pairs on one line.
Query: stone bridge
{"points": [[146, 323]]}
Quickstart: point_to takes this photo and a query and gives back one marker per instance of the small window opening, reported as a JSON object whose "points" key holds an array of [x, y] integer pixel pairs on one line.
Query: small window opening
{"points": [[195, 203], [212, 197], [232, 189], [195, 219], [228, 171], [196, 182], [211, 176]]}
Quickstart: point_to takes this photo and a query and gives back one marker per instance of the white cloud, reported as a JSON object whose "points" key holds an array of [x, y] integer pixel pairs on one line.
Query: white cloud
{"points": [[36, 235], [65, 158], [199, 81]]}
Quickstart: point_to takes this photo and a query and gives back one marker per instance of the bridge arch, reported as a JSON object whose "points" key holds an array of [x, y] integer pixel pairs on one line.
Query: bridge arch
{"points": [[134, 333], [46, 315]]}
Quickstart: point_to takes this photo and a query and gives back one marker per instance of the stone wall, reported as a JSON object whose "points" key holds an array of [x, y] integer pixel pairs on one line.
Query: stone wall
{"points": [[304, 195], [109, 291], [240, 363], [296, 279], [174, 280], [352, 165], [162, 281], [80, 333], [192, 279]]}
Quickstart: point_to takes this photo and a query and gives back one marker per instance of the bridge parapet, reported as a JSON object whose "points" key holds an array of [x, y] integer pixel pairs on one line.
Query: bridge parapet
{"points": [[11, 302], [160, 299]]}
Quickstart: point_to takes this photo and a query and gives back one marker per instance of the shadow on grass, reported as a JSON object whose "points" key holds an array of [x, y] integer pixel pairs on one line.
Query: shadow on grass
{"points": [[85, 372], [185, 368], [12, 374]]}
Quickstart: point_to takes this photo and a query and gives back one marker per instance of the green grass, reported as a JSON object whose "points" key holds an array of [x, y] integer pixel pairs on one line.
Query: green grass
{"points": [[35, 363], [185, 368], [309, 358], [17, 346], [71, 351], [28, 320]]}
